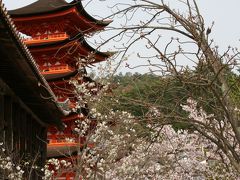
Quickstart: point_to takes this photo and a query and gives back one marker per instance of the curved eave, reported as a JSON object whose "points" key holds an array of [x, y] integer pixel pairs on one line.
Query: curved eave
{"points": [[28, 11], [99, 56], [81, 10], [64, 79], [104, 55], [60, 76]]}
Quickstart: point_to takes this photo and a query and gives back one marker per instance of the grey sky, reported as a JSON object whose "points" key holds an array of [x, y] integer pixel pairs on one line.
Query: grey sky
{"points": [[225, 14]]}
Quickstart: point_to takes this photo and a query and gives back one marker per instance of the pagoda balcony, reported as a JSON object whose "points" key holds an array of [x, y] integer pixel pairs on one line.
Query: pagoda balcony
{"points": [[63, 147], [65, 138], [68, 140], [57, 71], [46, 38]]}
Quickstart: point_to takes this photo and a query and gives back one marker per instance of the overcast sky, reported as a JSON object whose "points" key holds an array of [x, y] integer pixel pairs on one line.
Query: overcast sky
{"points": [[225, 14]]}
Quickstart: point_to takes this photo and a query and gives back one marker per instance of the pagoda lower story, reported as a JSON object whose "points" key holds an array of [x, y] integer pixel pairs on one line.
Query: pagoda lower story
{"points": [[55, 31]]}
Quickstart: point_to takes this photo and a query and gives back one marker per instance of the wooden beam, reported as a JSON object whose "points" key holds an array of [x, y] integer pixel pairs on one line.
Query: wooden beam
{"points": [[8, 123], [1, 117], [15, 126], [22, 128]]}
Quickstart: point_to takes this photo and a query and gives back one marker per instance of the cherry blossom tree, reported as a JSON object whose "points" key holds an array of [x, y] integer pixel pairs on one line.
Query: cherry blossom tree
{"points": [[207, 76], [204, 98]]}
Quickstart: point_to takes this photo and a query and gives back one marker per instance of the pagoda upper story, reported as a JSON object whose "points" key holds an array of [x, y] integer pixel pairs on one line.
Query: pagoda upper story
{"points": [[48, 17], [56, 29]]}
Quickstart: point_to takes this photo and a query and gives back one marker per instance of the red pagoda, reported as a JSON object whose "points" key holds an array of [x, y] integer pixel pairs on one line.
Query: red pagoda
{"points": [[55, 33]]}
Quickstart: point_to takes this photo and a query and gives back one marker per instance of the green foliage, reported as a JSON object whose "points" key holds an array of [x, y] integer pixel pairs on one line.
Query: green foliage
{"points": [[234, 82], [138, 93]]}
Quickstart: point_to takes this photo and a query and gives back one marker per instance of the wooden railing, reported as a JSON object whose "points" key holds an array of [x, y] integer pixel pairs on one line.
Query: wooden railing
{"points": [[46, 38], [56, 69]]}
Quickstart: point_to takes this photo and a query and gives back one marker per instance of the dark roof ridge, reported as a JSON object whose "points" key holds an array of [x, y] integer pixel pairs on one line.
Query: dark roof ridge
{"points": [[29, 59], [49, 6], [40, 6]]}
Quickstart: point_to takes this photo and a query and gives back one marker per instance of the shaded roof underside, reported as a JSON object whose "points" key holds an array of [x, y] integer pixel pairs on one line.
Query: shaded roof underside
{"points": [[60, 76], [60, 44]]}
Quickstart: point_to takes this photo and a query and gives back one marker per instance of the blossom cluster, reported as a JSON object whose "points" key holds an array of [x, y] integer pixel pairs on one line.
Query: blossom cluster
{"points": [[120, 152], [8, 167], [121, 146], [55, 166]]}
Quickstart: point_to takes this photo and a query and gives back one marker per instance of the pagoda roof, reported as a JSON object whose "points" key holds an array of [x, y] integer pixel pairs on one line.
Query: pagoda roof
{"points": [[61, 45], [20, 72], [41, 7]]}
